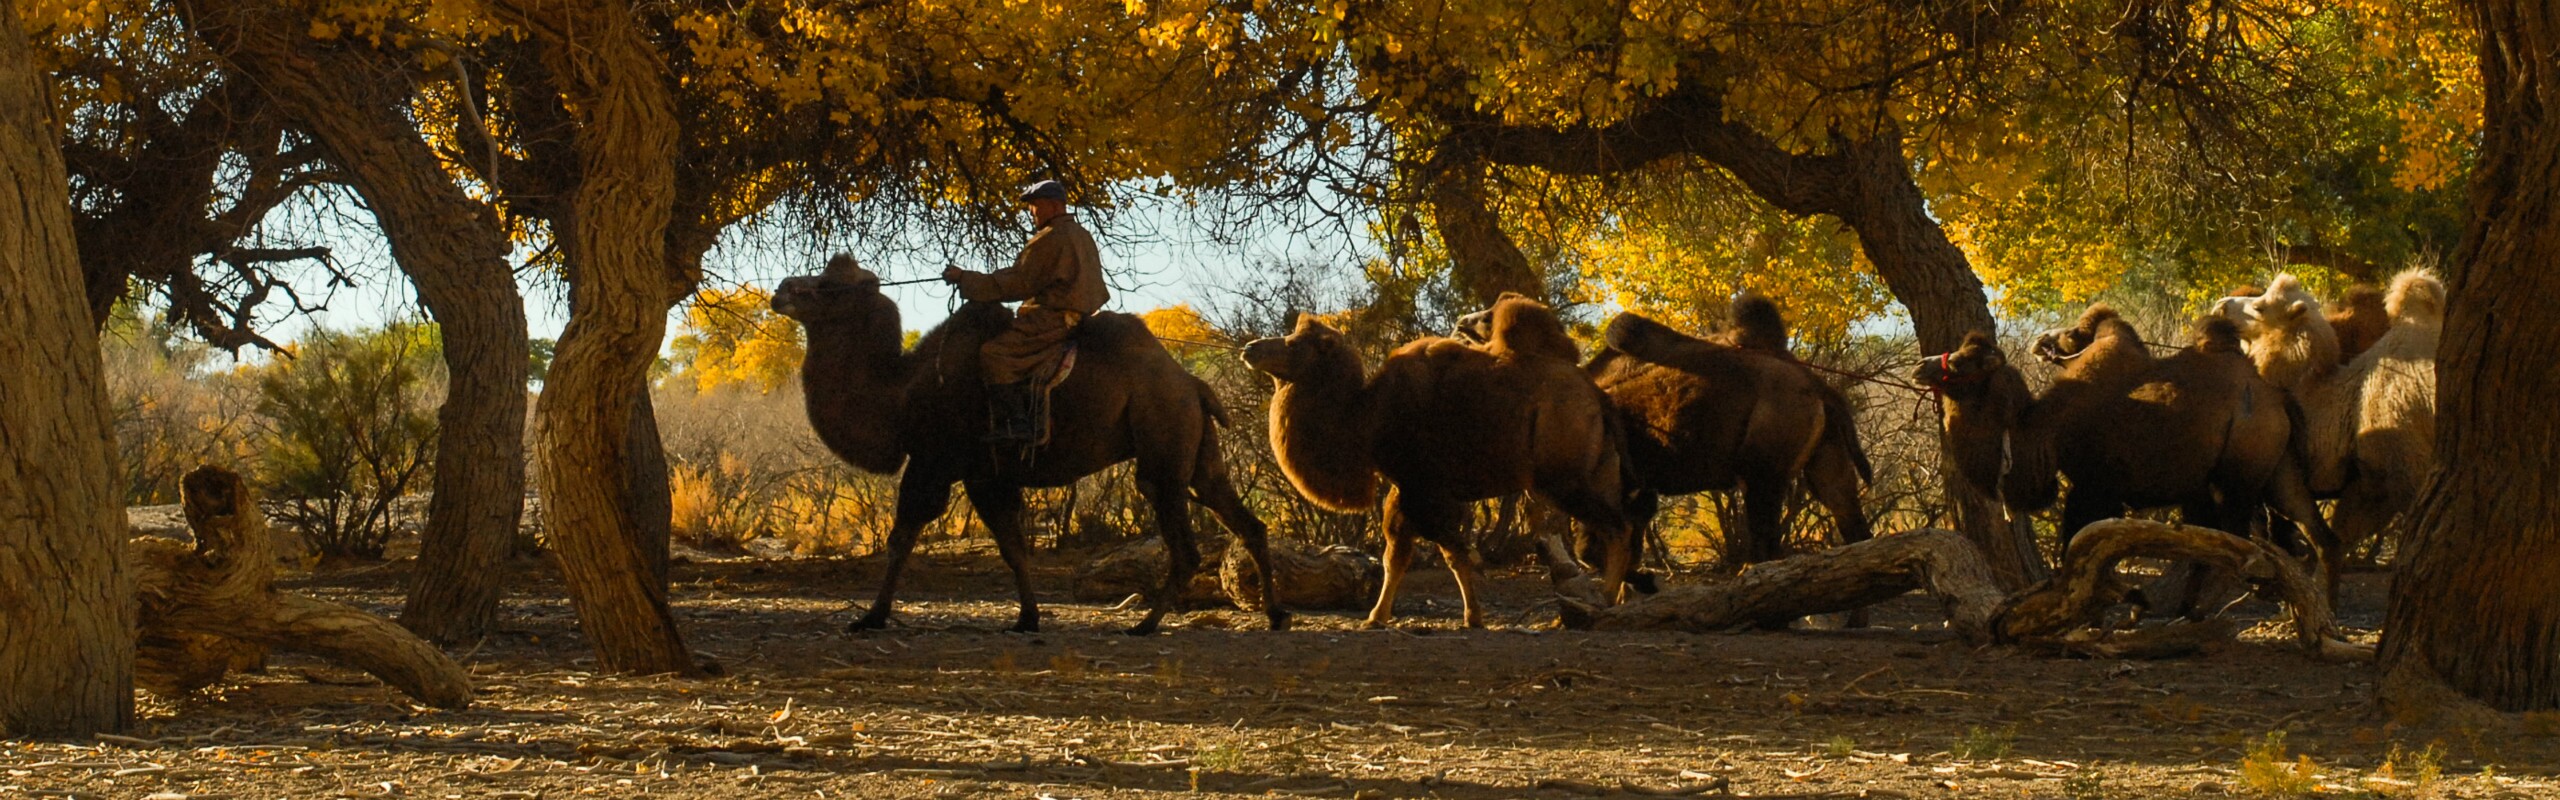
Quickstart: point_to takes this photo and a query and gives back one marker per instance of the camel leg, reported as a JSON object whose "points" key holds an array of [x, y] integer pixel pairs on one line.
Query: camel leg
{"points": [[1219, 495], [1641, 506], [1001, 507], [1443, 523], [1606, 523], [1398, 557], [921, 500], [1764, 509], [2290, 494], [1833, 481], [1182, 557]]}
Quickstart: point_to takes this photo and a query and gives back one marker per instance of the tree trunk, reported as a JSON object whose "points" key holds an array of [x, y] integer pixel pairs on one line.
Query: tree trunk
{"points": [[2473, 609], [66, 600], [1483, 260], [206, 606], [615, 247], [454, 250], [644, 474], [1866, 183]]}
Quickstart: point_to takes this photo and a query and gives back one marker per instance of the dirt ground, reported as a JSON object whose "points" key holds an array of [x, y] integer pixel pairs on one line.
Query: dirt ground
{"points": [[946, 707]]}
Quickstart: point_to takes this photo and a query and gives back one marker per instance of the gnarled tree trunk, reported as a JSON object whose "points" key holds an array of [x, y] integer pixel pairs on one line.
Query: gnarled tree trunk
{"points": [[66, 602], [206, 606], [616, 250], [454, 250], [2473, 609]]}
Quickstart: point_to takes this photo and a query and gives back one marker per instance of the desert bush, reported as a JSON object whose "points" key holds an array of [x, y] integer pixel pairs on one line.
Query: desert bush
{"points": [[345, 426], [174, 409]]}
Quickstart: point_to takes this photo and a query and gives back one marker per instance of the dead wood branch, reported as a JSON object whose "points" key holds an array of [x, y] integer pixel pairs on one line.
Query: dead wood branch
{"points": [[2063, 611], [2074, 598], [1336, 577], [1840, 579], [213, 607]]}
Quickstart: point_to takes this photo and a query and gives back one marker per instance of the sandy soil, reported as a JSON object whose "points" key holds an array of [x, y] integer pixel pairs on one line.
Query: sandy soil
{"points": [[945, 707]]}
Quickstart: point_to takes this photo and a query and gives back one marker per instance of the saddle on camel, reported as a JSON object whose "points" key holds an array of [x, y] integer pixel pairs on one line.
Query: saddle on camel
{"points": [[1057, 279]]}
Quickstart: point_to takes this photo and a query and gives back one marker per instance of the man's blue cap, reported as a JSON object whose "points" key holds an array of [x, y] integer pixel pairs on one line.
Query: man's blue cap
{"points": [[1044, 190]]}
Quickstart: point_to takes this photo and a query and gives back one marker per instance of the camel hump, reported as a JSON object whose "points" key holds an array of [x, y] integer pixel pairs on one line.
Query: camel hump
{"points": [[1522, 325], [2217, 334], [1756, 323], [1634, 335], [2417, 295]]}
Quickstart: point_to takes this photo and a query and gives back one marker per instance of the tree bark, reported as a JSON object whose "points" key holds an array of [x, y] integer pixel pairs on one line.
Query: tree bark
{"points": [[1483, 260], [454, 250], [616, 250], [66, 600], [201, 604], [2473, 609], [1866, 183]]}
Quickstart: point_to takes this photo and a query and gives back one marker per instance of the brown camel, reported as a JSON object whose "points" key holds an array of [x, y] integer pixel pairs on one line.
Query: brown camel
{"points": [[1448, 424], [879, 407], [1728, 411], [2371, 423], [1704, 416], [2198, 429]]}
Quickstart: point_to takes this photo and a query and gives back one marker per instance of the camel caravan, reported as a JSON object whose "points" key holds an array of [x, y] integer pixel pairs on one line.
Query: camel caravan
{"points": [[2274, 404]]}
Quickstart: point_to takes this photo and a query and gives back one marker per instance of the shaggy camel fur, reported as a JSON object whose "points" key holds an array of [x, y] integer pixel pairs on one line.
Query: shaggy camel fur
{"points": [[1448, 424], [1704, 416], [2360, 317], [2198, 429], [1735, 409], [2370, 424], [879, 407]]}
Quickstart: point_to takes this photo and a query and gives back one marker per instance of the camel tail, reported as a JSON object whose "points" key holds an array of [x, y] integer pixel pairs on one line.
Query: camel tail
{"points": [[1840, 429], [1210, 404]]}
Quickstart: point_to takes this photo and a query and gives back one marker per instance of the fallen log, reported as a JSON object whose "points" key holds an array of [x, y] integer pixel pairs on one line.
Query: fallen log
{"points": [[2065, 610], [1774, 593], [212, 607], [1138, 568], [1336, 577], [2075, 597]]}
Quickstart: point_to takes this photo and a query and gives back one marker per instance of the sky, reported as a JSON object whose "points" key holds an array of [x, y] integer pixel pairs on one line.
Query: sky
{"points": [[1154, 257]]}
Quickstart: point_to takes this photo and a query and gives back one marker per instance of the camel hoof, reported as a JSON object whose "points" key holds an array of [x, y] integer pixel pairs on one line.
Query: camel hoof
{"points": [[1375, 625], [1147, 628], [868, 622], [1279, 620], [1029, 622]]}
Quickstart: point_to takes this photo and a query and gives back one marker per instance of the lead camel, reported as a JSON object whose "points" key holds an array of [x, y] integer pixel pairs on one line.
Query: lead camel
{"points": [[879, 406]]}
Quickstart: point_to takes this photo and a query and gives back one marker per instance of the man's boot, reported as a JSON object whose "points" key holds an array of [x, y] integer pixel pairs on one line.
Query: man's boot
{"points": [[1009, 414]]}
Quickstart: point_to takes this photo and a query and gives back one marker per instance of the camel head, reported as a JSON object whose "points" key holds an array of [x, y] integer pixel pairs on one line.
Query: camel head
{"points": [[1984, 399], [1311, 351], [1970, 364], [2098, 323], [2286, 305], [845, 291], [1475, 329]]}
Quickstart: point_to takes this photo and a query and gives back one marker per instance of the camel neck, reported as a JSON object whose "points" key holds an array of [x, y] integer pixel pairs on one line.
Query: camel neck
{"points": [[854, 383], [1324, 433]]}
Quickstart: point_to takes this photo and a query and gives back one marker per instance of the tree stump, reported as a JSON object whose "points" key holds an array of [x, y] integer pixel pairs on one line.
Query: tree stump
{"points": [[1336, 577], [213, 607], [1138, 568]]}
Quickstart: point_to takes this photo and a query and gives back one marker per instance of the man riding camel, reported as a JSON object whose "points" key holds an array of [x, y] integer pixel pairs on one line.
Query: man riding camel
{"points": [[1058, 281]]}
